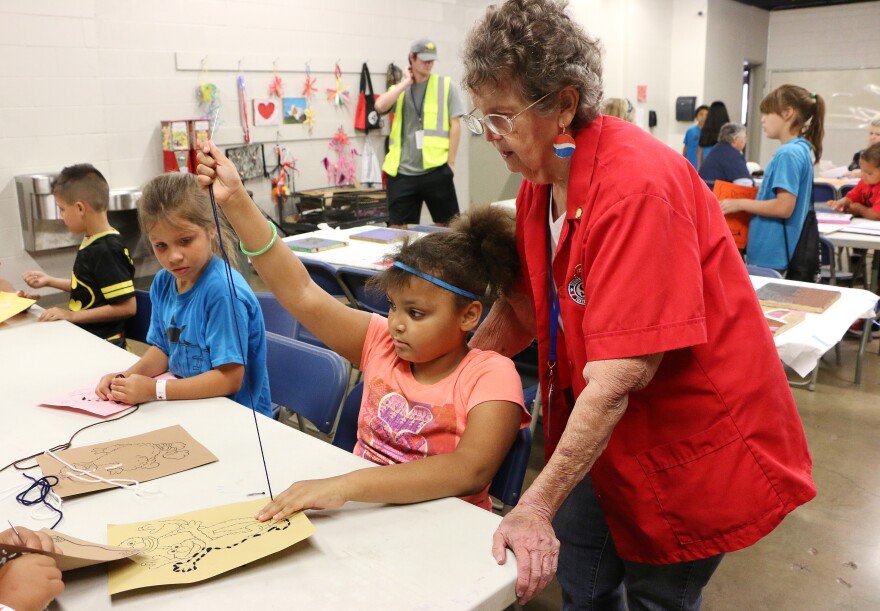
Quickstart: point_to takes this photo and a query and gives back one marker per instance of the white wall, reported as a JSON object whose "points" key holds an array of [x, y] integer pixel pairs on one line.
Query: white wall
{"points": [[687, 62], [89, 80], [735, 33], [826, 38]]}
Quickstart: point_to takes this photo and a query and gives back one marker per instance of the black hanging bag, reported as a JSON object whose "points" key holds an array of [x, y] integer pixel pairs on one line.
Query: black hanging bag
{"points": [[366, 117], [805, 262]]}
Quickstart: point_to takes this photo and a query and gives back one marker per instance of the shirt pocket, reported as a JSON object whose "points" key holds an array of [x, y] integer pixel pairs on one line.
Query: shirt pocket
{"points": [[709, 484]]}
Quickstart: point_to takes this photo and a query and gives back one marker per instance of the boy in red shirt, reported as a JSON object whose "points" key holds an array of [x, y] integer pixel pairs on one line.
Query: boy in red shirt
{"points": [[864, 199]]}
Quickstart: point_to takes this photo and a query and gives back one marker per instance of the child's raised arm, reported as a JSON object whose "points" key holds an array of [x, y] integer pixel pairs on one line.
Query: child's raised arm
{"points": [[491, 429], [340, 327]]}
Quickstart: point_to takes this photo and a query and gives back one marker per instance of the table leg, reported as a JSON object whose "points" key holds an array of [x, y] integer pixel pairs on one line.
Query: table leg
{"points": [[866, 337]]}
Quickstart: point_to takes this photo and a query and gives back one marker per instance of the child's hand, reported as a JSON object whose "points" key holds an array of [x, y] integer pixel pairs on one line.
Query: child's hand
{"points": [[28, 538], [134, 389], [214, 168], [30, 582], [36, 280], [103, 387], [56, 314], [838, 205], [309, 494], [857, 209], [729, 206]]}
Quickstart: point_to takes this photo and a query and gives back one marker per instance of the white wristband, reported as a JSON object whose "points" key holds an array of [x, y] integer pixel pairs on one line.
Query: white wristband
{"points": [[160, 390]]}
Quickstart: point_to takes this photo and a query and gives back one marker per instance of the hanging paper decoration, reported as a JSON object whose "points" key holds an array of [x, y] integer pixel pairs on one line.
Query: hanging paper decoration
{"points": [[339, 94], [276, 87], [343, 171], [207, 94], [309, 118], [242, 105], [282, 175], [309, 88]]}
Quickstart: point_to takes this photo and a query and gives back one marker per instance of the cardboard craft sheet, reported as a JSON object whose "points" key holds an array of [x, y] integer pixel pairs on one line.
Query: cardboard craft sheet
{"points": [[198, 545], [84, 399], [74, 553], [11, 304], [142, 458], [791, 296]]}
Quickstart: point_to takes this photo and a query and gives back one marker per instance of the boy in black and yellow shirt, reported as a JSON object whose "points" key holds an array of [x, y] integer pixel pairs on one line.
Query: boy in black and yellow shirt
{"points": [[101, 286]]}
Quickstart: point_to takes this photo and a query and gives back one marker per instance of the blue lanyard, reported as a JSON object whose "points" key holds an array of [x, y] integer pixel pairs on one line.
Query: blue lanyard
{"points": [[419, 107], [554, 296]]}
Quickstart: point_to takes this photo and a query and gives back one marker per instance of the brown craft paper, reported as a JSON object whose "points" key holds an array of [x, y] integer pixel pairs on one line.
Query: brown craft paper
{"points": [[74, 553], [198, 545], [142, 458]]}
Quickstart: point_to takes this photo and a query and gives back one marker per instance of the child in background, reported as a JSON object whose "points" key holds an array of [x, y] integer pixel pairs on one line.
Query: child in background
{"points": [[864, 198], [101, 286], [192, 329], [795, 117], [31, 581], [873, 138], [441, 416], [692, 135], [621, 108], [715, 118]]}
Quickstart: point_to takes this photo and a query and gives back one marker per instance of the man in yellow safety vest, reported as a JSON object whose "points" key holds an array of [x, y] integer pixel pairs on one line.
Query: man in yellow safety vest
{"points": [[423, 143]]}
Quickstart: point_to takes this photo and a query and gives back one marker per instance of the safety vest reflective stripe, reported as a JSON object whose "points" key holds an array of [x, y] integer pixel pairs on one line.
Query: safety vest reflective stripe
{"points": [[435, 145]]}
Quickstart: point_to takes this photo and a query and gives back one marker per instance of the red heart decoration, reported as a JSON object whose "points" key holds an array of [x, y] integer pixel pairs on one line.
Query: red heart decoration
{"points": [[266, 110]]}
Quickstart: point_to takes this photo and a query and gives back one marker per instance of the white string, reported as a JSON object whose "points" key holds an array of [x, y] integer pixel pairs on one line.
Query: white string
{"points": [[90, 477], [40, 512]]}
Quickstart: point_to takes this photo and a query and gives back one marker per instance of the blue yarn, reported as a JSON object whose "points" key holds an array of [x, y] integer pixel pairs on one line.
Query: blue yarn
{"points": [[45, 487]]}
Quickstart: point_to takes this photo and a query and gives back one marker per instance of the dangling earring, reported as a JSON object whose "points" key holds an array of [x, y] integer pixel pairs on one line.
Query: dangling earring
{"points": [[563, 145]]}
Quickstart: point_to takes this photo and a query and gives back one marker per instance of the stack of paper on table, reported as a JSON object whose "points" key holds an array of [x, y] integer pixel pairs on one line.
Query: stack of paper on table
{"points": [[780, 320], [384, 235], [839, 218], [790, 296], [314, 244]]}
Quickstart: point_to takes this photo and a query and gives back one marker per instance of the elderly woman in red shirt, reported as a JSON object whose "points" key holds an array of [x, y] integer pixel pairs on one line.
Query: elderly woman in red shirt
{"points": [[671, 432]]}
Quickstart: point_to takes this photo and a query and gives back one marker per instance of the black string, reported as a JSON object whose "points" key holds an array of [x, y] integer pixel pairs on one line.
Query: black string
{"points": [[44, 486], [233, 296], [64, 446]]}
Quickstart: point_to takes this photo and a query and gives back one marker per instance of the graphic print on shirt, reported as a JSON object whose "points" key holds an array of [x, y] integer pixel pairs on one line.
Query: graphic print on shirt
{"points": [[400, 424], [77, 286], [192, 353]]}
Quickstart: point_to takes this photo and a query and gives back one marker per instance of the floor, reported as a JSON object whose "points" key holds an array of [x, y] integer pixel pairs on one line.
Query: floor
{"points": [[826, 555]]}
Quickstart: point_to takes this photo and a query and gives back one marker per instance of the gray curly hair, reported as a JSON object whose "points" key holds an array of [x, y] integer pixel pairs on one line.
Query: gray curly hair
{"points": [[536, 47]]}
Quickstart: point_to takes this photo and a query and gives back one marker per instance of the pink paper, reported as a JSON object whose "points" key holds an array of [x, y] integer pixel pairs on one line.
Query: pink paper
{"points": [[85, 399]]}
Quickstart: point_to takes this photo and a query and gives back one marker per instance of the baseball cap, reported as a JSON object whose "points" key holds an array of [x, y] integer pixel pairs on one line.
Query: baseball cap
{"points": [[424, 49]]}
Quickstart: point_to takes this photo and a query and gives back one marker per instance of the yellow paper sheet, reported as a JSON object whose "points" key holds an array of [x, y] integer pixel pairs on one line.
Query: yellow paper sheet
{"points": [[11, 304], [140, 458], [195, 546], [73, 553]]}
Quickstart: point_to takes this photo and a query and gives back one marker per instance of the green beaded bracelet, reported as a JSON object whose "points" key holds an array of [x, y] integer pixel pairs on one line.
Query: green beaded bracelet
{"points": [[265, 248]]}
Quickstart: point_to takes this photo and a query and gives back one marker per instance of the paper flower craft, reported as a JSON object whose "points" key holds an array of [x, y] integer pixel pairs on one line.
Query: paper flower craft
{"points": [[343, 171], [339, 94], [309, 88], [276, 87]]}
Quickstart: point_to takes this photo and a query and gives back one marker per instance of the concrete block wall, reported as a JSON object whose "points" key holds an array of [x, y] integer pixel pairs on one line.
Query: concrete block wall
{"points": [[90, 80]]}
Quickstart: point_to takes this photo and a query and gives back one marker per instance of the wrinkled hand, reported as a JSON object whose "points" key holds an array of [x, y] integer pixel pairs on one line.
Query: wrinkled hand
{"points": [[308, 494], [729, 206], [28, 538], [133, 389], [215, 169], [56, 314], [36, 280], [30, 582], [530, 537]]}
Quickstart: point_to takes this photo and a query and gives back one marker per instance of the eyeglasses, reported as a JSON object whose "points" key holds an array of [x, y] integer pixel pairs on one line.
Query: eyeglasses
{"points": [[500, 125]]}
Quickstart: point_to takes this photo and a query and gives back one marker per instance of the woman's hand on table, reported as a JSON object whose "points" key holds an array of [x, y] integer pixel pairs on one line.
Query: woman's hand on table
{"points": [[308, 494], [531, 538]]}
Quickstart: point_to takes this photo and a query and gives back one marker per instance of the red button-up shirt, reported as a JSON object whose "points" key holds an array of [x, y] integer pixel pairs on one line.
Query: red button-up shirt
{"points": [[711, 455]]}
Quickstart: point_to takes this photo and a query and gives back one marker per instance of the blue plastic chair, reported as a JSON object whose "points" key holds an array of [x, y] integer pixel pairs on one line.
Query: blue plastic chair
{"points": [[823, 192], [309, 381], [354, 281], [507, 484], [844, 189], [765, 272], [138, 326], [831, 272], [324, 276], [279, 320]]}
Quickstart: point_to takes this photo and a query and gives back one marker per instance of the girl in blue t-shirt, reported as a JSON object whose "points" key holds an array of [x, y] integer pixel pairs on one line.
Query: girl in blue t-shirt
{"points": [[195, 312], [795, 117]]}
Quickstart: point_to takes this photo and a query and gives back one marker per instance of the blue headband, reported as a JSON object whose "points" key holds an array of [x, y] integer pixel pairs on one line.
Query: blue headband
{"points": [[437, 281]]}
